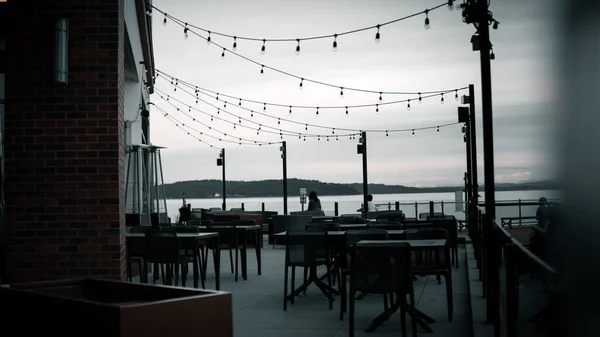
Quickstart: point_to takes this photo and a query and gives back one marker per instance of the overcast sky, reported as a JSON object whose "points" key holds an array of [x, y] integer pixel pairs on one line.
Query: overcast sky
{"points": [[408, 58]]}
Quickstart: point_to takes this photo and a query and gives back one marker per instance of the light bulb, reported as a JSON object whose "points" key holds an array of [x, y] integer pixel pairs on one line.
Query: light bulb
{"points": [[335, 42], [223, 54], [377, 35], [165, 20], [341, 92], [234, 48], [377, 108], [208, 38], [298, 47], [263, 49], [262, 70], [301, 81], [427, 25]]}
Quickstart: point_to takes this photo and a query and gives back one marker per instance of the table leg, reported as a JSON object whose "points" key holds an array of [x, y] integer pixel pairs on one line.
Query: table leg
{"points": [[195, 257], [258, 246], [217, 263]]}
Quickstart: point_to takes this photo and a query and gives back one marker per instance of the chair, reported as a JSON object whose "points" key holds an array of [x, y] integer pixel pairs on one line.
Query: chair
{"points": [[228, 240], [385, 225], [393, 216], [450, 224], [350, 220], [136, 253], [307, 249], [424, 215], [282, 223], [383, 267], [187, 249], [435, 261], [163, 248], [351, 237]]}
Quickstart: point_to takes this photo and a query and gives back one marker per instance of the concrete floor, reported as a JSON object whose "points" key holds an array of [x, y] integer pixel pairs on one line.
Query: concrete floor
{"points": [[258, 304]]}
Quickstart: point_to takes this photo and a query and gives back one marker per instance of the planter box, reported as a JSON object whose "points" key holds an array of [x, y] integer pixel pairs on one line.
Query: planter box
{"points": [[95, 307]]}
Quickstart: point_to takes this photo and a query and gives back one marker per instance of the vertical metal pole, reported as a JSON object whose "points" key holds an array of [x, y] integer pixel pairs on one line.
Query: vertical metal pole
{"points": [[473, 144], [285, 187], [365, 174], [336, 209], [224, 206], [127, 181], [491, 265], [155, 168], [162, 183]]}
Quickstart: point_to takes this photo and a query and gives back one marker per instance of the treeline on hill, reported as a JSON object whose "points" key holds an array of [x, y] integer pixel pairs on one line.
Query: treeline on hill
{"points": [[273, 188]]}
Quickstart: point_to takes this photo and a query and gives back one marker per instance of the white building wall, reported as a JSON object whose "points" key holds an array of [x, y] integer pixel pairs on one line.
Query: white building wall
{"points": [[135, 94], [134, 90]]}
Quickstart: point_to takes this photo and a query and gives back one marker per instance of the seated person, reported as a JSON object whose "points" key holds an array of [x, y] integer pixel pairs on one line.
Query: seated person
{"points": [[370, 205]]}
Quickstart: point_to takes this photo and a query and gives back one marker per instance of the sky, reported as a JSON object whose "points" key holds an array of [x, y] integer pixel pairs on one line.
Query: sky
{"points": [[408, 58]]}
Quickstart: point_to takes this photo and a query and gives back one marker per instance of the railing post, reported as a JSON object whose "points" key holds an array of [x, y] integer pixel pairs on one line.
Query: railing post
{"points": [[443, 207], [336, 209], [389, 206], [431, 208], [511, 291], [243, 207], [397, 205], [417, 210], [263, 206], [520, 221]]}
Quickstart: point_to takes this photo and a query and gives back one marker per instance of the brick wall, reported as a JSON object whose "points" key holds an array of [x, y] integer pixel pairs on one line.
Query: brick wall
{"points": [[64, 145]]}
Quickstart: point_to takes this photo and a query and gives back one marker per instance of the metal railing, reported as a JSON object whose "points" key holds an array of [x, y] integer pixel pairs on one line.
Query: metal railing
{"points": [[520, 284]]}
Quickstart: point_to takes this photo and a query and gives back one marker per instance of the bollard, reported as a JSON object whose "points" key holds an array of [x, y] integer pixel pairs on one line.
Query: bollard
{"points": [[336, 209], [417, 210], [263, 206], [431, 208], [243, 207], [397, 205], [442, 202]]}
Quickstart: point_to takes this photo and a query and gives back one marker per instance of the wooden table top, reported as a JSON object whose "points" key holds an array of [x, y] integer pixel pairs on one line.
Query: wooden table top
{"points": [[203, 235]]}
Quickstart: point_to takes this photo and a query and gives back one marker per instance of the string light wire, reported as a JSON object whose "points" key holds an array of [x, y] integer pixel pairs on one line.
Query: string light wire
{"points": [[262, 66]]}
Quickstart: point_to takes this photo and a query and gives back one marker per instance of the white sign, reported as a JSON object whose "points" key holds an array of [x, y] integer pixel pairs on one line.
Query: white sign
{"points": [[303, 191], [458, 201]]}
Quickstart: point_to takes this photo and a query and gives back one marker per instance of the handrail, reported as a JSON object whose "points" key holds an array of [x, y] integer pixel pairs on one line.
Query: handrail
{"points": [[524, 249]]}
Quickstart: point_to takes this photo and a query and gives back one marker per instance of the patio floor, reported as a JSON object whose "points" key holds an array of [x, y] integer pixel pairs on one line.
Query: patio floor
{"points": [[258, 304]]}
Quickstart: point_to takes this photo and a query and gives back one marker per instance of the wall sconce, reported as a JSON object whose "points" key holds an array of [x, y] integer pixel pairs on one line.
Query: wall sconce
{"points": [[61, 52]]}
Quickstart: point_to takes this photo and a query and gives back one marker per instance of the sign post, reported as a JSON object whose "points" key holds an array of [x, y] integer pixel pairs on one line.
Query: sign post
{"points": [[303, 197]]}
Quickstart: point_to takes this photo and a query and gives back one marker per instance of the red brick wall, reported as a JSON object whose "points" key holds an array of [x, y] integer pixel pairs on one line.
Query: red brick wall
{"points": [[64, 145]]}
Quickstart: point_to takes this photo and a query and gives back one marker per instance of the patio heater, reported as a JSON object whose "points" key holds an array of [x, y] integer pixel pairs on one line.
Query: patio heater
{"points": [[145, 196]]}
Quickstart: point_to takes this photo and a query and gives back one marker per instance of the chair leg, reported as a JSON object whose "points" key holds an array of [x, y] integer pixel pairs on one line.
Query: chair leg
{"points": [[305, 279], [293, 284], [236, 263], [343, 295], [449, 296], [329, 284], [403, 315], [413, 322], [231, 260], [285, 287], [351, 296]]}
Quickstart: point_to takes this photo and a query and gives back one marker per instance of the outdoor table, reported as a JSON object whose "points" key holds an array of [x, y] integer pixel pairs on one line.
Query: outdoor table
{"points": [[212, 237], [242, 232], [421, 318]]}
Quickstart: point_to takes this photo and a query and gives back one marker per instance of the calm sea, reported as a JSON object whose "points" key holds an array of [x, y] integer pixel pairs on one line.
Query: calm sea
{"points": [[348, 204]]}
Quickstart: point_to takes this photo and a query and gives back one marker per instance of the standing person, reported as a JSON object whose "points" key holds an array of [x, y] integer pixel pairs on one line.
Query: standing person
{"points": [[314, 204], [543, 213], [370, 205]]}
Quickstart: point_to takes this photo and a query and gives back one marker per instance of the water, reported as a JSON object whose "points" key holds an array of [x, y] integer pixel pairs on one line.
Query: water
{"points": [[348, 204]]}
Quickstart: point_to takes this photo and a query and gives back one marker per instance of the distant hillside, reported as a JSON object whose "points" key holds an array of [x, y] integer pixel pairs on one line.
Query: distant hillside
{"points": [[273, 188]]}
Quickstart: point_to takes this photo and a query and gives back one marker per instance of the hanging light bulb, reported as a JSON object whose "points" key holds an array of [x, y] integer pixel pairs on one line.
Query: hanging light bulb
{"points": [[217, 97], [413, 132], [380, 97], [240, 103], [438, 129], [298, 47], [218, 111], [420, 99], [165, 20], [341, 92], [185, 31], [264, 106], [427, 26], [278, 121], [301, 81], [317, 112], [306, 127], [456, 94], [492, 55], [450, 5], [376, 108], [408, 105], [290, 109], [223, 54], [377, 35], [234, 48], [319, 137], [333, 131], [262, 69], [346, 111], [233, 126], [442, 99], [336, 138], [386, 133], [211, 118], [263, 49], [208, 37], [334, 42]]}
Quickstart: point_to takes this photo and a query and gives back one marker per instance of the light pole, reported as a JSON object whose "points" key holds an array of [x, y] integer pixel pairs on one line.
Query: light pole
{"points": [[283, 150], [362, 149], [221, 162]]}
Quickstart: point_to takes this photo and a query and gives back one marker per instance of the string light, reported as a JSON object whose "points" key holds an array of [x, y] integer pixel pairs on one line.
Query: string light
{"points": [[413, 132], [208, 38], [290, 109], [234, 47], [408, 105], [223, 54], [185, 31], [442, 99], [298, 47], [377, 35], [438, 129], [377, 108], [450, 5], [341, 92], [420, 99], [427, 19], [263, 49], [346, 111], [165, 20], [335, 42], [317, 37], [301, 81], [170, 100], [456, 95]]}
